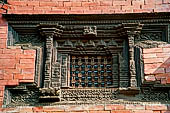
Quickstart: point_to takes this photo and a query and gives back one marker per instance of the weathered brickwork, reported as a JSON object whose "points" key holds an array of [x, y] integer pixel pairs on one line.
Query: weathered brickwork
{"points": [[110, 108], [156, 64], [18, 65], [86, 6]]}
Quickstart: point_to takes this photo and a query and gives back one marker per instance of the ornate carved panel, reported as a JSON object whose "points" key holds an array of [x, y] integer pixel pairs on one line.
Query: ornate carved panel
{"points": [[82, 59]]}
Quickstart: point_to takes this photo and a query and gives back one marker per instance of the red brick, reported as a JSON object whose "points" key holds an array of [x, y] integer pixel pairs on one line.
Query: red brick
{"points": [[2, 88], [42, 8], [86, 4], [1, 50], [7, 56], [99, 112], [168, 80], [95, 107], [8, 76], [33, 3], [12, 71], [86, 107], [153, 50], [160, 76], [154, 60], [148, 6], [151, 55], [25, 56], [28, 71], [162, 55], [24, 8], [27, 61], [154, 71], [166, 50], [3, 46], [50, 4], [3, 41], [143, 111], [25, 66], [26, 110], [61, 4], [76, 4], [122, 2], [60, 8], [137, 2], [106, 3], [149, 2], [157, 2], [152, 66], [28, 77], [67, 4], [133, 106], [29, 51], [165, 111], [1, 94], [37, 109], [8, 63], [3, 36], [3, 29], [54, 12], [18, 3], [3, 82], [121, 111], [156, 107], [18, 76], [114, 107], [12, 82], [166, 60], [60, 0], [12, 51], [1, 76]]}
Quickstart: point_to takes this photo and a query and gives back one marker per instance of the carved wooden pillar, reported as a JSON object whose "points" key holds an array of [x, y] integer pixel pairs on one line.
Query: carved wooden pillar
{"points": [[132, 68], [132, 29], [48, 60], [49, 31]]}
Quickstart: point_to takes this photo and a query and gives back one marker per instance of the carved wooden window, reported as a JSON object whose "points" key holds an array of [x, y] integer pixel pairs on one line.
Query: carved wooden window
{"points": [[91, 71], [86, 58]]}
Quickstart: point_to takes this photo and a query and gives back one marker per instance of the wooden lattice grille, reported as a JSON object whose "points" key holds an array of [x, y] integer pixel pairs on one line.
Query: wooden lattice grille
{"points": [[91, 71]]}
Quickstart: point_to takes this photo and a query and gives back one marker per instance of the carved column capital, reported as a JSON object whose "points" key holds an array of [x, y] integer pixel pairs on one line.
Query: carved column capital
{"points": [[50, 30]]}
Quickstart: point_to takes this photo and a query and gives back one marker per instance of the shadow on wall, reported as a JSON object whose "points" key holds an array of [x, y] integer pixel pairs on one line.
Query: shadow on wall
{"points": [[157, 64]]}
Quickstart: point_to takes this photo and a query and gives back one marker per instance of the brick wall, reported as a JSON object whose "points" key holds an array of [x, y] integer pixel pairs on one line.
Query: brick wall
{"points": [[112, 108], [157, 64], [16, 65], [87, 6]]}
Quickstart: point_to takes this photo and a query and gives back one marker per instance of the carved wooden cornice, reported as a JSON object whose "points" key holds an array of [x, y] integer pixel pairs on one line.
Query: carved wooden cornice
{"points": [[86, 17]]}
